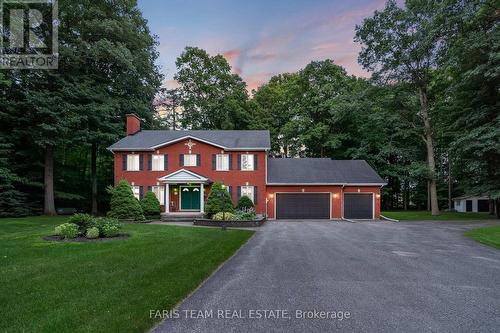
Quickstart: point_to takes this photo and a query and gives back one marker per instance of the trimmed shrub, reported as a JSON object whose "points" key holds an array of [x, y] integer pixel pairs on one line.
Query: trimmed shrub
{"points": [[57, 230], [92, 232], [227, 216], [218, 200], [150, 204], [245, 203], [123, 203], [245, 215], [108, 227], [83, 221], [68, 230]]}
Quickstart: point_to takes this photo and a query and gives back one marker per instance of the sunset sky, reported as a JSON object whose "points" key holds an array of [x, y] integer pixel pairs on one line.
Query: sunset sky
{"points": [[259, 38]]}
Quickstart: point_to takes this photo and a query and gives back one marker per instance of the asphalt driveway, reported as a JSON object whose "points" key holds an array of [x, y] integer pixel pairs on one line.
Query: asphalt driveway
{"points": [[411, 277]]}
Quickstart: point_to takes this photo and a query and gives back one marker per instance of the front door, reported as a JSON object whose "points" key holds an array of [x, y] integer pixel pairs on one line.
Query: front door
{"points": [[190, 198]]}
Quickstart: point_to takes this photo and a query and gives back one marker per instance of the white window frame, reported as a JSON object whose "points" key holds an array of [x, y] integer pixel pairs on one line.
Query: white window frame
{"points": [[159, 192], [251, 161], [136, 190], [158, 163], [222, 162], [191, 158], [132, 162], [246, 190]]}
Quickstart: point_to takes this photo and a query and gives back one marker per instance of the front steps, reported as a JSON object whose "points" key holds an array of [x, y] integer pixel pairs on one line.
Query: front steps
{"points": [[181, 216]]}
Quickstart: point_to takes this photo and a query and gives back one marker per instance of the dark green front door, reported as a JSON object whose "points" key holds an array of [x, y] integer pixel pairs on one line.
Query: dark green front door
{"points": [[190, 198]]}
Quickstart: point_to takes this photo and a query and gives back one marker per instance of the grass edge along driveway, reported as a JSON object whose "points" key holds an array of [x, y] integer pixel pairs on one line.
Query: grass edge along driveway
{"points": [[489, 236], [107, 286], [423, 215]]}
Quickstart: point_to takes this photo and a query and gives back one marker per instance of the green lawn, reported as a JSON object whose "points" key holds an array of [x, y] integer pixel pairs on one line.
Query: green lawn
{"points": [[489, 236], [444, 216], [108, 286]]}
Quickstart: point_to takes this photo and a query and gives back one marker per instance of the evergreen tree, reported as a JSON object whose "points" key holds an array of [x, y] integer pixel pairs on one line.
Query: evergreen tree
{"points": [[123, 203], [150, 204]]}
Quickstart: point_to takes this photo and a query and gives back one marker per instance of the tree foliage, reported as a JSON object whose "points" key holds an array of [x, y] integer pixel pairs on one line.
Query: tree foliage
{"points": [[123, 203], [218, 200], [150, 204]]}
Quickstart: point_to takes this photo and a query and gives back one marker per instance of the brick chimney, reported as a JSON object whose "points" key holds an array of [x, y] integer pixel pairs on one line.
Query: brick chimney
{"points": [[133, 124]]}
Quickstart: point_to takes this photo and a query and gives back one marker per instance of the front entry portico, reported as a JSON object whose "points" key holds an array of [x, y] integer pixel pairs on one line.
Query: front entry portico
{"points": [[184, 191]]}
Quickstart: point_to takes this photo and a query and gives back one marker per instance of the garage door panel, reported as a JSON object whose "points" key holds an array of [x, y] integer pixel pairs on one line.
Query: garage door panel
{"points": [[303, 205], [358, 206]]}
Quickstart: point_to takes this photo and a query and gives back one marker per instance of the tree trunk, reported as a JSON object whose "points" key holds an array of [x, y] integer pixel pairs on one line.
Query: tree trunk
{"points": [[450, 188], [497, 207], [428, 196], [93, 177], [48, 179], [430, 151]]}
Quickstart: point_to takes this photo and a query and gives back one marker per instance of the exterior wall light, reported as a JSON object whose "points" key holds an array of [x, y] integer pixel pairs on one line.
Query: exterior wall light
{"points": [[271, 195], [378, 196], [335, 195]]}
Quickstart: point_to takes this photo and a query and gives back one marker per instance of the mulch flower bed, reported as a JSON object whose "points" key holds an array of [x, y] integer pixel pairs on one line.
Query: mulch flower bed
{"points": [[84, 239], [230, 223]]}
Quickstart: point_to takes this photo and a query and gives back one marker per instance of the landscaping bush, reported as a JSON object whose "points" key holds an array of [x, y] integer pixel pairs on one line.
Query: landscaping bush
{"points": [[57, 230], [226, 215], [245, 215], [245, 203], [92, 233], [150, 204], [123, 203], [108, 227], [68, 230], [218, 200], [83, 221]]}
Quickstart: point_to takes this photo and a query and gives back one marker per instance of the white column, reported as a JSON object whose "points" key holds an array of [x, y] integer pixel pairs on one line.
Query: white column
{"points": [[202, 197], [167, 198]]}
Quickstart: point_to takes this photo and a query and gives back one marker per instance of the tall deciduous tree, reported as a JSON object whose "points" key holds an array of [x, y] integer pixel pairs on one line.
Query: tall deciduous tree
{"points": [[212, 97], [403, 45]]}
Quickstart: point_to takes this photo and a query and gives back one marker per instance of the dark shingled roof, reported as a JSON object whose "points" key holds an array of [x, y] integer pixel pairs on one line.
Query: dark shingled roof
{"points": [[320, 171], [145, 140]]}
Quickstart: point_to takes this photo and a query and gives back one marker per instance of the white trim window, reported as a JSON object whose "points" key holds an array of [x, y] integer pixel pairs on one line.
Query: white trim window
{"points": [[136, 190], [189, 159], [159, 191], [247, 162], [158, 163], [222, 162], [248, 191], [132, 162]]}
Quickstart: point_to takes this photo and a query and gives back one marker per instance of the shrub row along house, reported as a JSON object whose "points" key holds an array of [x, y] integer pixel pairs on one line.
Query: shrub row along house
{"points": [[180, 166]]}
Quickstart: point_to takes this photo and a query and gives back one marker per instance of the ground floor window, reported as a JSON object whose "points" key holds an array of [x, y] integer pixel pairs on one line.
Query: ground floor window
{"points": [[160, 193], [137, 192], [248, 191]]}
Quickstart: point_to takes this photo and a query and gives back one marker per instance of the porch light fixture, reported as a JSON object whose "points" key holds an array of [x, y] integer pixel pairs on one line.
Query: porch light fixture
{"points": [[378, 196], [271, 195]]}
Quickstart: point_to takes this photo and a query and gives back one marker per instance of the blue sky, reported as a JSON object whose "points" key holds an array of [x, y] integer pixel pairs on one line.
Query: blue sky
{"points": [[259, 38]]}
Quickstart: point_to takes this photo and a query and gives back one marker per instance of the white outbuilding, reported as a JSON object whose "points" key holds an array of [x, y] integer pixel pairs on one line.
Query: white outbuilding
{"points": [[471, 204]]}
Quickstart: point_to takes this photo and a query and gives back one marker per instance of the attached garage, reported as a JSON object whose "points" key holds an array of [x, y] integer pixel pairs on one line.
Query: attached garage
{"points": [[358, 205], [303, 205]]}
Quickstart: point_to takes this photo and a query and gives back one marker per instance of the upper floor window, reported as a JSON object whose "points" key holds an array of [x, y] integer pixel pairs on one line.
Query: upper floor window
{"points": [[222, 162], [158, 163], [248, 191], [247, 162], [189, 159], [132, 162]]}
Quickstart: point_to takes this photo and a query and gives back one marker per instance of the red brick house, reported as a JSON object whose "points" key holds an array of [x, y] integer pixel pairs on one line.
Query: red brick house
{"points": [[180, 166]]}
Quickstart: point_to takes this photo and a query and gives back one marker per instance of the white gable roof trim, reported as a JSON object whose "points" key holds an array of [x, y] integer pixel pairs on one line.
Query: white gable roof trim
{"points": [[183, 176]]}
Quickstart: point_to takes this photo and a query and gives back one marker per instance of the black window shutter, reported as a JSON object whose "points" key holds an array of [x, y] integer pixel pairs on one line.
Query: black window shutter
{"points": [[230, 161], [141, 162], [255, 161], [239, 163], [150, 161], [239, 192], [141, 192], [165, 161], [124, 161], [181, 160], [230, 190], [214, 161], [149, 188], [255, 194], [198, 160]]}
